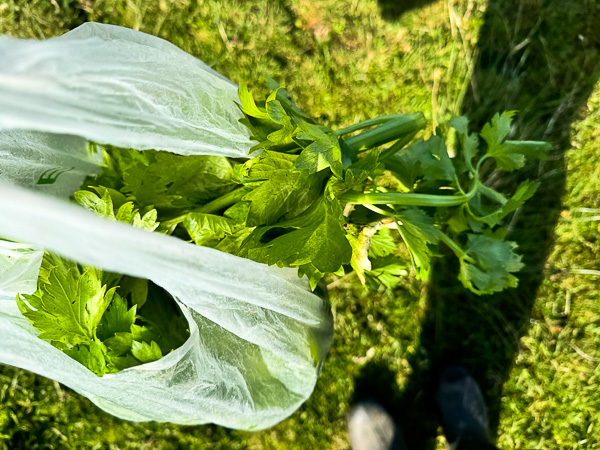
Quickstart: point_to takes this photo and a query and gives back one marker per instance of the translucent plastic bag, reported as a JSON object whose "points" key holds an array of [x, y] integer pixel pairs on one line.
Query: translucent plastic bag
{"points": [[19, 266], [258, 335]]}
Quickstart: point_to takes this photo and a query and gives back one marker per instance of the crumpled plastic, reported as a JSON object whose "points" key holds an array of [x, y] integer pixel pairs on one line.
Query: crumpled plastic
{"points": [[258, 336], [102, 79]]}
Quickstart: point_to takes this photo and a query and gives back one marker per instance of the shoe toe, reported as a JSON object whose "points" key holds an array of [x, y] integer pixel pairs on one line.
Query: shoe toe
{"points": [[370, 427]]}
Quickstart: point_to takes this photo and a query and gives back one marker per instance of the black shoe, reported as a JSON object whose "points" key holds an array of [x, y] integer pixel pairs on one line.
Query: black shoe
{"points": [[464, 414], [370, 427]]}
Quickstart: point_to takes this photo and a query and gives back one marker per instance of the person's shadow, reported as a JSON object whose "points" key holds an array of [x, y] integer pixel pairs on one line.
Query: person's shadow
{"points": [[541, 59], [393, 9]]}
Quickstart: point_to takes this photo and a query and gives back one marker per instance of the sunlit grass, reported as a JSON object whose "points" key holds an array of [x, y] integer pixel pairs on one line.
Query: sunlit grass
{"points": [[344, 62]]}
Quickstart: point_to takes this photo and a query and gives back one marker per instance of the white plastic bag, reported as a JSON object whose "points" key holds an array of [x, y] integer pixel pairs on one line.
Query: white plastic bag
{"points": [[19, 267], [102, 80], [258, 336]]}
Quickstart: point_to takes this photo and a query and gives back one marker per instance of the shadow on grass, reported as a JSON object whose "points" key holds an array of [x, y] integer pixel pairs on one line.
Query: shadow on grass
{"points": [[393, 9], [542, 59]]}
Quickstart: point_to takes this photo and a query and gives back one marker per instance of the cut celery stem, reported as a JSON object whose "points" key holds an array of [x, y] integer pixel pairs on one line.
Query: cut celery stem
{"points": [[223, 202], [390, 129], [398, 198], [365, 124], [459, 252], [396, 146]]}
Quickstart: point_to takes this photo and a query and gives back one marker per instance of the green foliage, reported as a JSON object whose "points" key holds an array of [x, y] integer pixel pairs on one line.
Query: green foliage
{"points": [[388, 271], [84, 311], [418, 233], [117, 319], [76, 313], [280, 190], [145, 352], [90, 354], [69, 304], [169, 181], [162, 180], [423, 159], [488, 263], [208, 229], [299, 157], [315, 237], [106, 200], [322, 152], [287, 210], [382, 243], [523, 193], [162, 322], [509, 156]]}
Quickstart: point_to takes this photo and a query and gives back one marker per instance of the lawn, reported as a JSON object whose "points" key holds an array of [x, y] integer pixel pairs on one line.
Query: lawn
{"points": [[535, 350]]}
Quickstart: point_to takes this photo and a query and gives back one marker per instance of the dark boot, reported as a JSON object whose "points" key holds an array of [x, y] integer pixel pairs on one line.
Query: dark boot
{"points": [[464, 414]]}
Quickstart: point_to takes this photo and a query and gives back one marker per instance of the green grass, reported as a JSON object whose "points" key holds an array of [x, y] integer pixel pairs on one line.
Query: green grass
{"points": [[551, 399], [536, 359]]}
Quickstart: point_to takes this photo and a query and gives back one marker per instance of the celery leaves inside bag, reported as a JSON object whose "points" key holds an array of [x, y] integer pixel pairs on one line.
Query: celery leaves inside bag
{"points": [[188, 191]]}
